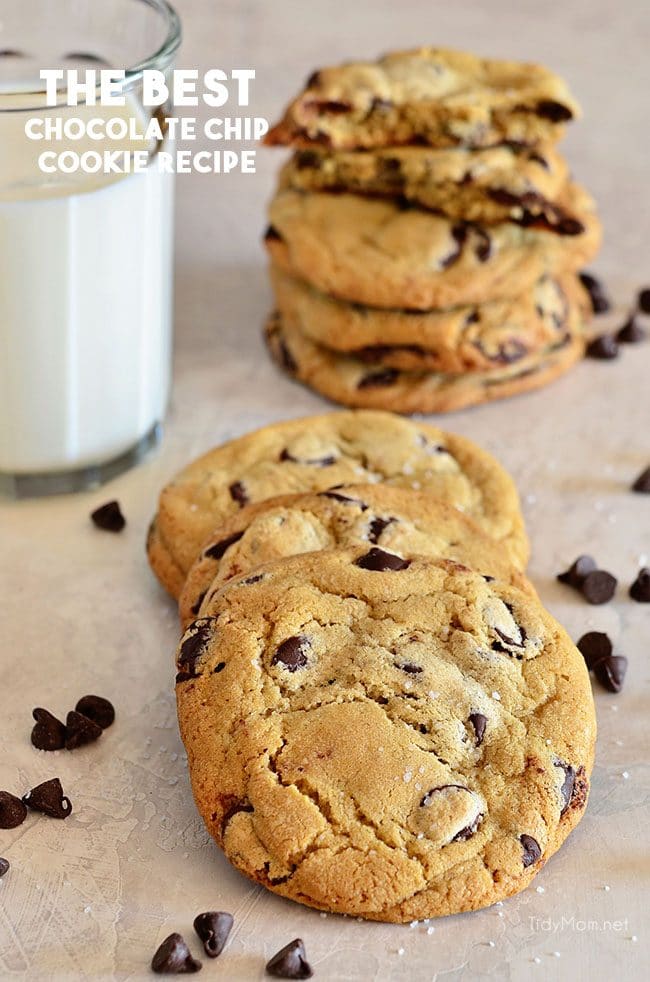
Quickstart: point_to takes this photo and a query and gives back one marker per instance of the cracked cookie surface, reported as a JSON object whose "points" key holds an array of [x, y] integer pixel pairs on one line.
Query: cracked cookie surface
{"points": [[397, 519], [434, 96], [381, 736], [379, 253], [320, 452]]}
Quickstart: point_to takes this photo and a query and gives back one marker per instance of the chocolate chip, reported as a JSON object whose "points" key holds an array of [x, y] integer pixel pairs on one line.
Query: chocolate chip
{"points": [[409, 668], [289, 363], [593, 646], [640, 589], [12, 811], [566, 791], [271, 234], [307, 159], [603, 348], [97, 709], [109, 517], [532, 851], [290, 962], [218, 550], [610, 672], [313, 81], [642, 483], [643, 301], [576, 573], [196, 606], [238, 493], [459, 235], [49, 732], [631, 332], [344, 499], [213, 928], [377, 526], [598, 587], [483, 248], [600, 302], [555, 111], [335, 107], [4, 866], [173, 957], [292, 653], [80, 730], [219, 668], [193, 646], [380, 561], [479, 722], [384, 377], [309, 462], [49, 799], [468, 831]]}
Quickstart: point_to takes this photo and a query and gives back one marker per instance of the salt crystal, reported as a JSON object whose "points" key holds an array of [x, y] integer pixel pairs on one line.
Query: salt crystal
{"points": [[625, 775], [539, 889], [407, 776], [496, 695], [400, 951], [430, 930]]}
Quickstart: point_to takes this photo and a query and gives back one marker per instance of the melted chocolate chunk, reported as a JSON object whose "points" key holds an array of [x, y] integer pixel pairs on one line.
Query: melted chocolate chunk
{"points": [[98, 709], [555, 111], [479, 722], [218, 550], [642, 483], [194, 645], [49, 799], [377, 526], [409, 668], [468, 831], [173, 957], [49, 732], [459, 235], [12, 811], [566, 791], [384, 377], [643, 301], [334, 107], [79, 730], [640, 589], [213, 928], [380, 561], [290, 962], [593, 646], [272, 235], [603, 348], [233, 806], [309, 462], [631, 332], [598, 587], [109, 517], [344, 499], [287, 360], [610, 672], [531, 850], [600, 302], [483, 247], [576, 573], [238, 493], [307, 160], [292, 653], [4, 866], [196, 606]]}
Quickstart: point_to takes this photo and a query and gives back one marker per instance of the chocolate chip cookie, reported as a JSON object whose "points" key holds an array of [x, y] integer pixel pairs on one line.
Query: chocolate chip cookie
{"points": [[432, 96], [508, 183], [459, 339], [382, 736], [395, 519], [380, 253], [316, 454], [353, 382]]}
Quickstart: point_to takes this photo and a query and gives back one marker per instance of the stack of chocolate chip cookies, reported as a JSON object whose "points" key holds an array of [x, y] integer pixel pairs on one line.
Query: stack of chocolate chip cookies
{"points": [[380, 717], [426, 236]]}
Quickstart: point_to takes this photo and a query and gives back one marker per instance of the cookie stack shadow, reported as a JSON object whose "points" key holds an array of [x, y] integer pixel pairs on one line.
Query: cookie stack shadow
{"points": [[426, 237]]}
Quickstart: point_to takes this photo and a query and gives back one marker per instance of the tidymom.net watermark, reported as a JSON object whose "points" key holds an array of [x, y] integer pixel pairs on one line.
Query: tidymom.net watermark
{"points": [[552, 925]]}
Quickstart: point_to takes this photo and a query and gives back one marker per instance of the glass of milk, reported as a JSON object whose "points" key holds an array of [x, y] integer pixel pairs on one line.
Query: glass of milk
{"points": [[85, 260]]}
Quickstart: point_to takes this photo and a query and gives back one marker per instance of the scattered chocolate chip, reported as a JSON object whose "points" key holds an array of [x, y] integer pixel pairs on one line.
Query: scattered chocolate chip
{"points": [[600, 302], [292, 653], [290, 962], [576, 573], [603, 348], [193, 645], [173, 957], [49, 799], [386, 376], [643, 301], [238, 493], [593, 646], [12, 811], [109, 517], [598, 587], [566, 791], [80, 730], [218, 550], [479, 722], [49, 732], [377, 526], [4, 867], [98, 709], [640, 589], [380, 561], [631, 332], [532, 851], [610, 672], [213, 928], [335, 496], [313, 462], [642, 483], [555, 111]]}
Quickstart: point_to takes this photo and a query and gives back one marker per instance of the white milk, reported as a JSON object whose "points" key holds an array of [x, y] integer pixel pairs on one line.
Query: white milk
{"points": [[85, 305]]}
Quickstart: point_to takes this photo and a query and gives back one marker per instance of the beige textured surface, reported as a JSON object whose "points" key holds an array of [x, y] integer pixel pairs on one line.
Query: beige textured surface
{"points": [[81, 612]]}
